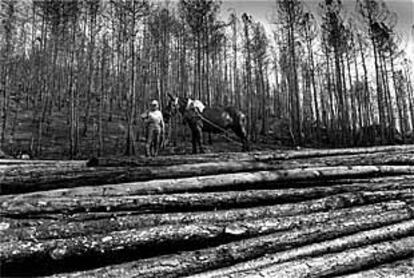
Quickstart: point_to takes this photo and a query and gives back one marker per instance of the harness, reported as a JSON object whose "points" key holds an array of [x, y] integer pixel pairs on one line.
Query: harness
{"points": [[225, 134], [198, 114]]}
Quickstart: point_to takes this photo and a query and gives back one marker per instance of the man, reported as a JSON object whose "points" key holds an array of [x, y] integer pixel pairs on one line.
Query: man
{"points": [[154, 124]]}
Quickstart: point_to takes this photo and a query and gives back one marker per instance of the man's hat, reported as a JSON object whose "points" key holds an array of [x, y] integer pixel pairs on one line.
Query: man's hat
{"points": [[154, 103]]}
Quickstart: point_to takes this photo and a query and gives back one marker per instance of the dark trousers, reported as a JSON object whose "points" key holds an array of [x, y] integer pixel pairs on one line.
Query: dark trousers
{"points": [[153, 140]]}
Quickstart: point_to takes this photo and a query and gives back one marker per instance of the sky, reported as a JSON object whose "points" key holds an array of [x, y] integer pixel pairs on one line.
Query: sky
{"points": [[261, 10]]}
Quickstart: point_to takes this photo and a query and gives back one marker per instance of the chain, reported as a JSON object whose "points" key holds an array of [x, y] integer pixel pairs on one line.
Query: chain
{"points": [[225, 132]]}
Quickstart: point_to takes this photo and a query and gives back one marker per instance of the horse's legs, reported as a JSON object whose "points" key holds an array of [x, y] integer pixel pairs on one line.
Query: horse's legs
{"points": [[194, 140], [201, 146], [199, 137], [246, 146], [244, 141], [243, 138]]}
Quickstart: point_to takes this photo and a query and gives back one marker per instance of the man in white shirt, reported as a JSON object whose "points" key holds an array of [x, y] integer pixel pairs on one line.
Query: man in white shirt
{"points": [[154, 123]]}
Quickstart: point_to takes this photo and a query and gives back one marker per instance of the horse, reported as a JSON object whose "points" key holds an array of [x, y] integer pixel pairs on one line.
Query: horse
{"points": [[208, 119]]}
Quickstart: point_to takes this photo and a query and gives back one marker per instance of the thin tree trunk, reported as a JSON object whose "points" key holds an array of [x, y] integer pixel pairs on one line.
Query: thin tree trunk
{"points": [[380, 94]]}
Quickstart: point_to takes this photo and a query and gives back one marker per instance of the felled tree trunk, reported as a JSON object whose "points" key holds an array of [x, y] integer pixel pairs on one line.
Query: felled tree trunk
{"points": [[331, 152], [403, 268], [342, 262], [19, 179], [25, 179], [136, 243], [191, 262], [319, 248], [195, 217], [161, 160], [392, 158], [243, 180], [23, 162], [31, 205], [66, 229], [252, 156]]}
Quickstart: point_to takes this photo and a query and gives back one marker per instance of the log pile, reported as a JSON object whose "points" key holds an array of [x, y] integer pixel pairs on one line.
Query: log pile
{"points": [[309, 213]]}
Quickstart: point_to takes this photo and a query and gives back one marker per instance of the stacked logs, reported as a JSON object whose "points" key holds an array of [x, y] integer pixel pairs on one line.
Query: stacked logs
{"points": [[275, 214]]}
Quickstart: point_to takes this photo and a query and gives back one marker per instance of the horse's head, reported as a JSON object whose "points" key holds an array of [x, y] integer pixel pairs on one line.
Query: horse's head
{"points": [[177, 104], [171, 108]]}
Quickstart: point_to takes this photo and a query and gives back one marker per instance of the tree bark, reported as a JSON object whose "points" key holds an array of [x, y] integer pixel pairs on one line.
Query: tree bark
{"points": [[339, 244], [342, 262], [189, 201], [245, 180], [18, 179], [331, 202], [380, 93], [79, 225], [401, 269], [22, 162], [191, 262], [258, 156]]}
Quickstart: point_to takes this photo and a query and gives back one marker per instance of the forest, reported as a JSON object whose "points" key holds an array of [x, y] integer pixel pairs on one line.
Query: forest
{"points": [[323, 89], [75, 75]]}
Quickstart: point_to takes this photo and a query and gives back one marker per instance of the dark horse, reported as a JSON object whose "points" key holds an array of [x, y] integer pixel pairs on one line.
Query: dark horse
{"points": [[215, 120]]}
